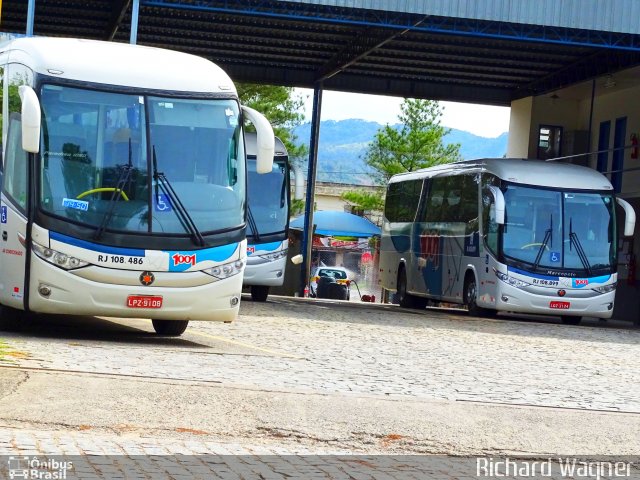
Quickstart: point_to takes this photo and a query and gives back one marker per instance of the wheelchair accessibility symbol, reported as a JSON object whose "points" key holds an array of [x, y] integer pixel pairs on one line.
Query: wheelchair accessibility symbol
{"points": [[554, 257], [163, 204]]}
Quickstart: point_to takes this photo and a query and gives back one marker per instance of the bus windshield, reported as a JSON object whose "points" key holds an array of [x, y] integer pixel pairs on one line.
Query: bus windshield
{"points": [[97, 164], [268, 198], [558, 229]]}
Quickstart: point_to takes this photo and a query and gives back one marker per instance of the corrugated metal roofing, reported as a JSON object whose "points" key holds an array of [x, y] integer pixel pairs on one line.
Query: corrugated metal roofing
{"points": [[603, 15], [468, 50]]}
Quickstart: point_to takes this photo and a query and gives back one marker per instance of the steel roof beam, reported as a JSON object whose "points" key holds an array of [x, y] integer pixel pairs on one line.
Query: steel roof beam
{"points": [[359, 47], [118, 11], [365, 42]]}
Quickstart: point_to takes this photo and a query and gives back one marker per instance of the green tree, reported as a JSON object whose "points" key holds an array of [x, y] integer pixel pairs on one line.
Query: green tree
{"points": [[418, 143], [365, 200], [14, 95], [281, 107]]}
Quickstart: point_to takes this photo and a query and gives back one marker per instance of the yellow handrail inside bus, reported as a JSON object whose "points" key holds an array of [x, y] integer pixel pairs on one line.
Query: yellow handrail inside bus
{"points": [[103, 189]]}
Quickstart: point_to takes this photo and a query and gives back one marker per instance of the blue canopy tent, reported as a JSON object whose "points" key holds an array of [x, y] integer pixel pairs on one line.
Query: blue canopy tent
{"points": [[338, 224]]}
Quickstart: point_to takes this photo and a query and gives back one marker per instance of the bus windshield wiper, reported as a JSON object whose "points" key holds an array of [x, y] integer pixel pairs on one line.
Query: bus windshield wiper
{"points": [[574, 240], [187, 222], [118, 191], [252, 224], [548, 236]]}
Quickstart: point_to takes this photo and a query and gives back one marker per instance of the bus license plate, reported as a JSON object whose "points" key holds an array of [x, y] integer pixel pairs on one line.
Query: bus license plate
{"points": [[144, 301], [560, 305]]}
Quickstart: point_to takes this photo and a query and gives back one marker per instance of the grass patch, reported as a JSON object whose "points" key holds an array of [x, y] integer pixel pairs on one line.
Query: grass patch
{"points": [[9, 355], [4, 349]]}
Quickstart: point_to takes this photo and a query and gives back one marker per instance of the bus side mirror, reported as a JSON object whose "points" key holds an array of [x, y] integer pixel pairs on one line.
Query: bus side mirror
{"points": [[299, 183], [498, 198], [31, 118], [265, 142], [629, 217]]}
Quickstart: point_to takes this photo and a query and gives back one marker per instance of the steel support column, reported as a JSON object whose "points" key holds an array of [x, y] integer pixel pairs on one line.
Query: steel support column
{"points": [[31, 14], [135, 9], [307, 234]]}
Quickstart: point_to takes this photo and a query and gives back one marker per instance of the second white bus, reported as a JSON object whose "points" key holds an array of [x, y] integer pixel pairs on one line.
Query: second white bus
{"points": [[504, 235], [268, 210]]}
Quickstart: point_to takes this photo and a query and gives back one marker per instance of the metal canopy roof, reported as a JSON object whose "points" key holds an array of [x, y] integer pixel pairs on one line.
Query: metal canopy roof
{"points": [[298, 43]]}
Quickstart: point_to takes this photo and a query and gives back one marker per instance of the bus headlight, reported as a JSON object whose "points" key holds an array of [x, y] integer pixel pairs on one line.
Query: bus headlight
{"points": [[514, 282], [58, 259], [226, 270], [606, 288], [272, 257]]}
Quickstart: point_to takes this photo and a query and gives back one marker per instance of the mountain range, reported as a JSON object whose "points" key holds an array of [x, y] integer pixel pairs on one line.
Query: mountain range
{"points": [[343, 144]]}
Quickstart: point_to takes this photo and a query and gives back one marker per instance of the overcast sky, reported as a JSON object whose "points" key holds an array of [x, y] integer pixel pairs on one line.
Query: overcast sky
{"points": [[482, 120]]}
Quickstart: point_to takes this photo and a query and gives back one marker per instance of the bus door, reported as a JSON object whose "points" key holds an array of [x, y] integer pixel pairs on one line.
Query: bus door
{"points": [[462, 245], [427, 263], [13, 218]]}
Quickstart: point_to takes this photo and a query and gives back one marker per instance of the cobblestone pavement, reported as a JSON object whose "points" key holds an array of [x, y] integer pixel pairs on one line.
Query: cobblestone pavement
{"points": [[300, 345]]}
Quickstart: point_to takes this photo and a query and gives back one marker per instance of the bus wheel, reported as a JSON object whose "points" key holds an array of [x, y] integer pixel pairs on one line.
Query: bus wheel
{"points": [[170, 328], [405, 299], [471, 296], [259, 293], [567, 320]]}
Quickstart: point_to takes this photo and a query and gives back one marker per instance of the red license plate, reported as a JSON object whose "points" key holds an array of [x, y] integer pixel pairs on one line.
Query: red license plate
{"points": [[560, 305], [144, 301]]}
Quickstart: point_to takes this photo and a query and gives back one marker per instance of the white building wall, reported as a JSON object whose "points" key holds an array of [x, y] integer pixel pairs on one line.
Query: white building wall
{"points": [[611, 106], [520, 128]]}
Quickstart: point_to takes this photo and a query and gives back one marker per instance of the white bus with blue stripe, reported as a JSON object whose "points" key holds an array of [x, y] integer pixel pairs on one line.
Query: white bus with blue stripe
{"points": [[268, 214], [504, 235], [124, 183]]}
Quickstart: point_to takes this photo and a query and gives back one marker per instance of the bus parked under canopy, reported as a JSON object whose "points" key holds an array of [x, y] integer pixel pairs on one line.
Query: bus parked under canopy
{"points": [[504, 235], [268, 213], [124, 188]]}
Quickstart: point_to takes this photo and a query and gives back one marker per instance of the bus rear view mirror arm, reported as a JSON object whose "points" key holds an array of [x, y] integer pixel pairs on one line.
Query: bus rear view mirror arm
{"points": [[499, 199], [265, 143], [31, 117], [629, 217]]}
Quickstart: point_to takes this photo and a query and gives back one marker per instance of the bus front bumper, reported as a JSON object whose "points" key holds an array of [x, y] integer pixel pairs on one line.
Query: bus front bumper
{"points": [[512, 299], [71, 293], [270, 274]]}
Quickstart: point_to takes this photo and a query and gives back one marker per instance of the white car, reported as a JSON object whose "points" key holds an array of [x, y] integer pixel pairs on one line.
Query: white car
{"points": [[332, 275]]}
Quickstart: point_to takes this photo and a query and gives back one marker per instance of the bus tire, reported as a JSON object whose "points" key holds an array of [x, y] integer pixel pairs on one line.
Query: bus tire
{"points": [[259, 293], [170, 328], [406, 300], [471, 295], [569, 320]]}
